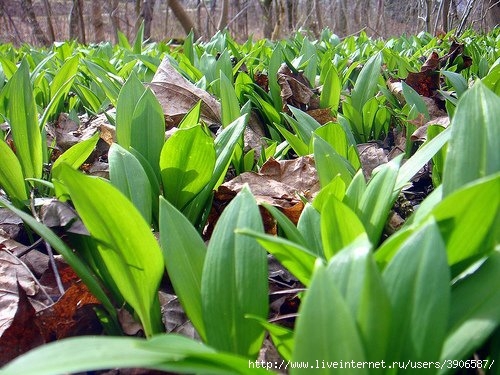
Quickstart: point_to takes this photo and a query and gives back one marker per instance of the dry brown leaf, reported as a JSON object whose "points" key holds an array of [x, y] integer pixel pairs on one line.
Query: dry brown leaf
{"points": [[177, 96], [72, 315], [22, 333], [296, 90], [371, 156], [420, 134]]}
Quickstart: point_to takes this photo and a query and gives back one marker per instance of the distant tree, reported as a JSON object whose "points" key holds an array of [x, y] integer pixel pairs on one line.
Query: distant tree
{"points": [[50, 27], [97, 21], [112, 9], [76, 23], [27, 7], [183, 18], [147, 16]]}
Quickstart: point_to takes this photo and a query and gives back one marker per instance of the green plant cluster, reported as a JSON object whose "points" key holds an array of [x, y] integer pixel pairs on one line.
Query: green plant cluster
{"points": [[427, 293]]}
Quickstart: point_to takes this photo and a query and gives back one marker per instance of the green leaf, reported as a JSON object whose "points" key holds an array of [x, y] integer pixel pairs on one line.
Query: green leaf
{"points": [[413, 99], [192, 118], [234, 281], [127, 174], [378, 198], [184, 254], [421, 157], [299, 146], [303, 124], [108, 82], [295, 258], [287, 226], [282, 338], [170, 353], [330, 164], [128, 98], [339, 226], [11, 174], [457, 81], [309, 226], [324, 321], [139, 37], [475, 139], [475, 310], [417, 280], [76, 155], [359, 281], [366, 83], [330, 94], [458, 216], [126, 244], [224, 148], [23, 119], [147, 134], [187, 162], [230, 107]]}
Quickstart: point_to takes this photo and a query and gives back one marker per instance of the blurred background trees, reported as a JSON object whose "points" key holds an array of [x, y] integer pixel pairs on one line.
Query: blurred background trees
{"points": [[42, 22]]}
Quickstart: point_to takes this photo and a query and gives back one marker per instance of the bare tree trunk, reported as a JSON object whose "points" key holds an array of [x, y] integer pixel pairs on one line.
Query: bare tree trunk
{"points": [[291, 15], [380, 18], [76, 23], [280, 14], [50, 27], [319, 17], [444, 15], [493, 13], [147, 15], [112, 8], [97, 22], [4, 12], [182, 16], [224, 15], [427, 19], [267, 15], [27, 7]]}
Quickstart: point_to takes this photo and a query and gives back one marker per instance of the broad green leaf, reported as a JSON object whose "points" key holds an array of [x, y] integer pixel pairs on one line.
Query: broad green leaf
{"points": [[107, 82], [11, 174], [184, 255], [339, 226], [475, 139], [125, 242], [334, 134], [148, 128], [299, 146], [458, 216], [186, 163], [224, 149], [170, 353], [330, 94], [23, 120], [329, 163], [230, 107], [303, 124], [413, 99], [420, 158], [127, 175], [282, 338], [417, 280], [335, 189], [359, 281], [274, 88], [378, 198], [139, 37], [457, 81], [192, 118], [295, 258], [287, 226], [326, 329], [76, 155], [234, 281], [128, 98], [475, 310], [366, 83], [309, 226]]}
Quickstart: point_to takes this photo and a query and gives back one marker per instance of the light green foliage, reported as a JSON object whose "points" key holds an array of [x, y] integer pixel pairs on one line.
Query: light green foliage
{"points": [[126, 245]]}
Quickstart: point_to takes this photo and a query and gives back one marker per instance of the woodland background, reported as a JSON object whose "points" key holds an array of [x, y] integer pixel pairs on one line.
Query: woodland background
{"points": [[41, 22]]}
